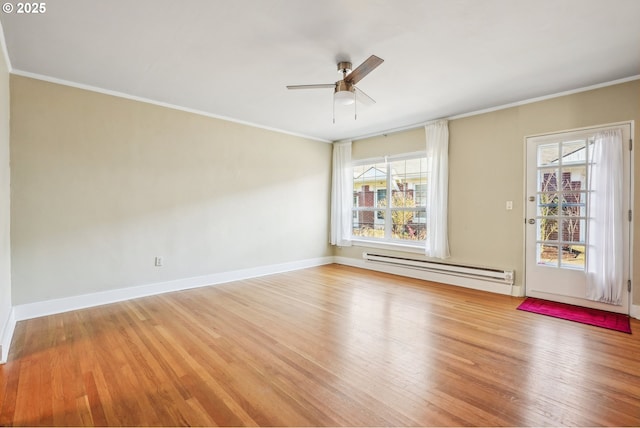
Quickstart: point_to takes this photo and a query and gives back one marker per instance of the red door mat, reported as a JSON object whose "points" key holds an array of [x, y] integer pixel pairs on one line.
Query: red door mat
{"points": [[604, 319]]}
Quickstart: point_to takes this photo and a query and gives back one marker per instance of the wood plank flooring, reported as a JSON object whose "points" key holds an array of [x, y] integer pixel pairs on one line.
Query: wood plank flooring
{"points": [[327, 346]]}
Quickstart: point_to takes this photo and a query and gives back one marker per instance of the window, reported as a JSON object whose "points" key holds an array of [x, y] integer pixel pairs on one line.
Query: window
{"points": [[562, 201], [390, 199]]}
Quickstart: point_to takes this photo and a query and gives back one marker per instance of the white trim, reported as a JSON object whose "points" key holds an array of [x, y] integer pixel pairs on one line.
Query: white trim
{"points": [[631, 223], [255, 125], [476, 284], [502, 107], [359, 242], [568, 133], [517, 291], [7, 335], [65, 304], [635, 312], [50, 307], [548, 97], [524, 201], [5, 51], [8, 326], [158, 103]]}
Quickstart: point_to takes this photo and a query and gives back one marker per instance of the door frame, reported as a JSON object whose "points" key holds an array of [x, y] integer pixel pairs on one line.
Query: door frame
{"points": [[631, 124]]}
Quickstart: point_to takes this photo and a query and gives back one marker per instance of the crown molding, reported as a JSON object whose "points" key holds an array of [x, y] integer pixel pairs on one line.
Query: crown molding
{"points": [[104, 91], [501, 107]]}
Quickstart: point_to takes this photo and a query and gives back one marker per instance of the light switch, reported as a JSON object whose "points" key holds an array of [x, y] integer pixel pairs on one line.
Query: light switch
{"points": [[509, 205]]}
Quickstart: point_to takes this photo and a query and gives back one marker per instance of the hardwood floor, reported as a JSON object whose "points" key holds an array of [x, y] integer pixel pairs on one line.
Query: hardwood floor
{"points": [[328, 346]]}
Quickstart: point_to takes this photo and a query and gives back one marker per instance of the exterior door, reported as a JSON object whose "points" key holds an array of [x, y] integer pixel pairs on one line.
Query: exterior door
{"points": [[557, 214]]}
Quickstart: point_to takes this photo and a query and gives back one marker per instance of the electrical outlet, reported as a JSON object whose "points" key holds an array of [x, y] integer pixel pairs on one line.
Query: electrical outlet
{"points": [[159, 261], [509, 205]]}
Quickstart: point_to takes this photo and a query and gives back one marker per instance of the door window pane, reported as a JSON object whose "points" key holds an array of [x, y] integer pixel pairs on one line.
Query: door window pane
{"points": [[574, 204], [548, 180], [574, 178], [547, 229], [548, 154], [561, 203], [573, 257], [574, 152], [547, 255], [548, 204]]}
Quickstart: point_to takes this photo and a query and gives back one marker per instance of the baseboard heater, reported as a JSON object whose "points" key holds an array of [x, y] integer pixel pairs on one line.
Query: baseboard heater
{"points": [[487, 274]]}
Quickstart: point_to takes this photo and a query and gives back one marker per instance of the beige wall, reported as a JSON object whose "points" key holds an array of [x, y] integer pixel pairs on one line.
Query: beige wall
{"points": [[385, 145], [486, 169], [5, 249], [102, 185]]}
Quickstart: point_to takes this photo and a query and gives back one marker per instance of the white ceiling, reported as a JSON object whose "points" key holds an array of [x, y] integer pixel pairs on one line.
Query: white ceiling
{"points": [[233, 58]]}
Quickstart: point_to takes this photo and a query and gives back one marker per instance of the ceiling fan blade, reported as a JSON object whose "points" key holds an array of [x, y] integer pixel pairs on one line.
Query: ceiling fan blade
{"points": [[364, 98], [318, 86], [363, 69]]}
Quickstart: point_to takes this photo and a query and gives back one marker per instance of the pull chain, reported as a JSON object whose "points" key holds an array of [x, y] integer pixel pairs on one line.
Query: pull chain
{"points": [[355, 105], [334, 109]]}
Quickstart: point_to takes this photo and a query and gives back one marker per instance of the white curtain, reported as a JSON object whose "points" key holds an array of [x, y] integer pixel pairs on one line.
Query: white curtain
{"points": [[604, 228], [437, 243], [341, 195]]}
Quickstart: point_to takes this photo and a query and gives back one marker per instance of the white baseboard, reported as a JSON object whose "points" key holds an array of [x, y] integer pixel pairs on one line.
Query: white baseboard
{"points": [[635, 311], [72, 303], [56, 306], [6, 335], [518, 291], [476, 284]]}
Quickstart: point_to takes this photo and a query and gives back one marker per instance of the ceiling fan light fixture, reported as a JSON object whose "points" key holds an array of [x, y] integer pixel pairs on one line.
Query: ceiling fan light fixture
{"points": [[344, 97]]}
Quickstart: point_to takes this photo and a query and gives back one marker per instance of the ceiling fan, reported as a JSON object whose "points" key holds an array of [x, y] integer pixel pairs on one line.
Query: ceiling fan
{"points": [[345, 91]]}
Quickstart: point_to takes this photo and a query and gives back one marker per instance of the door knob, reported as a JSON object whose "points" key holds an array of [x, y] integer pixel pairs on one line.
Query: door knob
{"points": [[532, 221]]}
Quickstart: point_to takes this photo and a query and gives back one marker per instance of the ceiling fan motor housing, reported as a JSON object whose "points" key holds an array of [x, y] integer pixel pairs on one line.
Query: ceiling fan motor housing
{"points": [[342, 86]]}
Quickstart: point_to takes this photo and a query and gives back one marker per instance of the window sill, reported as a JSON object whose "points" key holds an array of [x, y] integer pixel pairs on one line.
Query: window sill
{"points": [[388, 246]]}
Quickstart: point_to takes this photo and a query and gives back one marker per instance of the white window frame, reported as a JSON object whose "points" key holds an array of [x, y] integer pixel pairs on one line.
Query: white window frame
{"points": [[388, 241]]}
